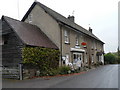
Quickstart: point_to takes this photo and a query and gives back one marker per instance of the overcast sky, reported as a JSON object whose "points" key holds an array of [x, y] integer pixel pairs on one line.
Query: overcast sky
{"points": [[102, 15]]}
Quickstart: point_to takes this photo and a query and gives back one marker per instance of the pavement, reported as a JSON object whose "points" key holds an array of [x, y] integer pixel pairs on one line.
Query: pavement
{"points": [[101, 77]]}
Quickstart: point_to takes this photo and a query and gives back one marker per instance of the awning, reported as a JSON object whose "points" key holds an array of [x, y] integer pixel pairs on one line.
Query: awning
{"points": [[77, 50]]}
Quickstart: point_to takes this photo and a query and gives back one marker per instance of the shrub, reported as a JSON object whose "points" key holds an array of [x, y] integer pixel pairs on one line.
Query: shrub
{"points": [[110, 58], [53, 72], [64, 70], [44, 59], [96, 64]]}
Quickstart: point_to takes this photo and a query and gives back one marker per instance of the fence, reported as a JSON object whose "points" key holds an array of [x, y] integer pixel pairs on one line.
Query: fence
{"points": [[12, 71]]}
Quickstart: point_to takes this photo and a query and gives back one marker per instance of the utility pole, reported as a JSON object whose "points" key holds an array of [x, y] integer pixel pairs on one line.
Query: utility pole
{"points": [[18, 9], [118, 55]]}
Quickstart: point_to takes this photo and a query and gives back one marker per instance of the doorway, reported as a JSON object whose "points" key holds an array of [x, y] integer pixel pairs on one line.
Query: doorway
{"points": [[78, 59]]}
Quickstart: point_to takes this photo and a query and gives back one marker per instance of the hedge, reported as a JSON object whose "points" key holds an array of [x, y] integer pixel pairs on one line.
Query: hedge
{"points": [[44, 59]]}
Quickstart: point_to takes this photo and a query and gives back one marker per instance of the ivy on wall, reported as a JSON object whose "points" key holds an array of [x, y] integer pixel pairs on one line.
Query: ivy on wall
{"points": [[43, 59]]}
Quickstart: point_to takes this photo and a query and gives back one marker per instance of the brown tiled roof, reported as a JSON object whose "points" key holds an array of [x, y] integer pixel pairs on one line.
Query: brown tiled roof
{"points": [[30, 34], [61, 19]]}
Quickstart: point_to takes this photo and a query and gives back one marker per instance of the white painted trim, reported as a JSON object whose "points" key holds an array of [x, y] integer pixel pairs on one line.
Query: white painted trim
{"points": [[77, 53], [77, 49]]}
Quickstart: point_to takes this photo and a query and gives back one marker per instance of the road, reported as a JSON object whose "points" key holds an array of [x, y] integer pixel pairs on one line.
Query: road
{"points": [[101, 77]]}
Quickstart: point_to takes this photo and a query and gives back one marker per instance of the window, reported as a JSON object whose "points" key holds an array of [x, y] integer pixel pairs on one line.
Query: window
{"points": [[92, 47], [92, 58], [77, 59], [30, 18], [95, 45], [66, 35], [77, 40]]}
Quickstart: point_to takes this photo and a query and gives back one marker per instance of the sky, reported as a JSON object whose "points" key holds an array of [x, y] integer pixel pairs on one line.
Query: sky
{"points": [[100, 15]]}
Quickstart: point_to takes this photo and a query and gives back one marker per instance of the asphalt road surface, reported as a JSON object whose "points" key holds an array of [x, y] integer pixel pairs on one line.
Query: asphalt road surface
{"points": [[101, 77]]}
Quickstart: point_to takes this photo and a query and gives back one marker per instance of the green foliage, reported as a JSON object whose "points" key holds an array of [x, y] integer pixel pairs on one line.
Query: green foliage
{"points": [[110, 58], [58, 71], [118, 59], [44, 59], [50, 72], [96, 64], [64, 70], [118, 56]]}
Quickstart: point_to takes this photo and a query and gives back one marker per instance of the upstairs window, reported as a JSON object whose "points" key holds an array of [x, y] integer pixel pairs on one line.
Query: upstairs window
{"points": [[95, 45], [30, 18], [92, 44], [77, 40], [92, 58], [66, 35]]}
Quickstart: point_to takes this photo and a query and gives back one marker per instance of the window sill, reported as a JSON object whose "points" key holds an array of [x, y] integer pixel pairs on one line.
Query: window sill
{"points": [[77, 45], [67, 43]]}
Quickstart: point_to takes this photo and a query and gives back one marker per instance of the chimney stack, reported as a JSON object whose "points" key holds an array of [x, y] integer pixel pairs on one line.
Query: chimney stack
{"points": [[71, 18], [90, 29]]}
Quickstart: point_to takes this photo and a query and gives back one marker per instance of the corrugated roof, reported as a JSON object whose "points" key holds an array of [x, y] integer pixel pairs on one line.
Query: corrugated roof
{"points": [[62, 19], [30, 34]]}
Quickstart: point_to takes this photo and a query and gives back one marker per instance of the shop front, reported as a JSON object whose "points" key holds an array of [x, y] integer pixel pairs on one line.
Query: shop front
{"points": [[77, 57]]}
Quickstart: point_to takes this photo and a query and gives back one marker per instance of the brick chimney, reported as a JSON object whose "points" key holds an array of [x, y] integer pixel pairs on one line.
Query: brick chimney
{"points": [[71, 18], [90, 29]]}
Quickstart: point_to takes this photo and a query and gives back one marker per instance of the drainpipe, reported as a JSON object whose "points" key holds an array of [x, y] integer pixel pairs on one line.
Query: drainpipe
{"points": [[60, 44], [89, 54]]}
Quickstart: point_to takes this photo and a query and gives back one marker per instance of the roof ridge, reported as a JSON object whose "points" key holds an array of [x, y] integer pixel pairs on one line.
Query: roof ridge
{"points": [[50, 9], [10, 18], [61, 15], [29, 34], [58, 17]]}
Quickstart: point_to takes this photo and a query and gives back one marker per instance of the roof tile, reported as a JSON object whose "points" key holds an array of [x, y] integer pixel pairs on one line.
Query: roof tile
{"points": [[30, 34]]}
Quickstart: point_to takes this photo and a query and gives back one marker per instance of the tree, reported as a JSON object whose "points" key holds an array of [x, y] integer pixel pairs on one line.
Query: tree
{"points": [[110, 58], [118, 56]]}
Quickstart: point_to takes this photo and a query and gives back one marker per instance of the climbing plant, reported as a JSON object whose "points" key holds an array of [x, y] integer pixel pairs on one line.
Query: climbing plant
{"points": [[44, 59]]}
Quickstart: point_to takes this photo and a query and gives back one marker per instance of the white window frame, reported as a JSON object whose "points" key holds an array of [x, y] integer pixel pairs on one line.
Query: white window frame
{"points": [[78, 59], [77, 40], [30, 18], [66, 36], [95, 45], [92, 58], [92, 47]]}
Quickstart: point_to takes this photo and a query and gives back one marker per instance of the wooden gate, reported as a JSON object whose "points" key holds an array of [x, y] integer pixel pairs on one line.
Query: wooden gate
{"points": [[11, 72]]}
